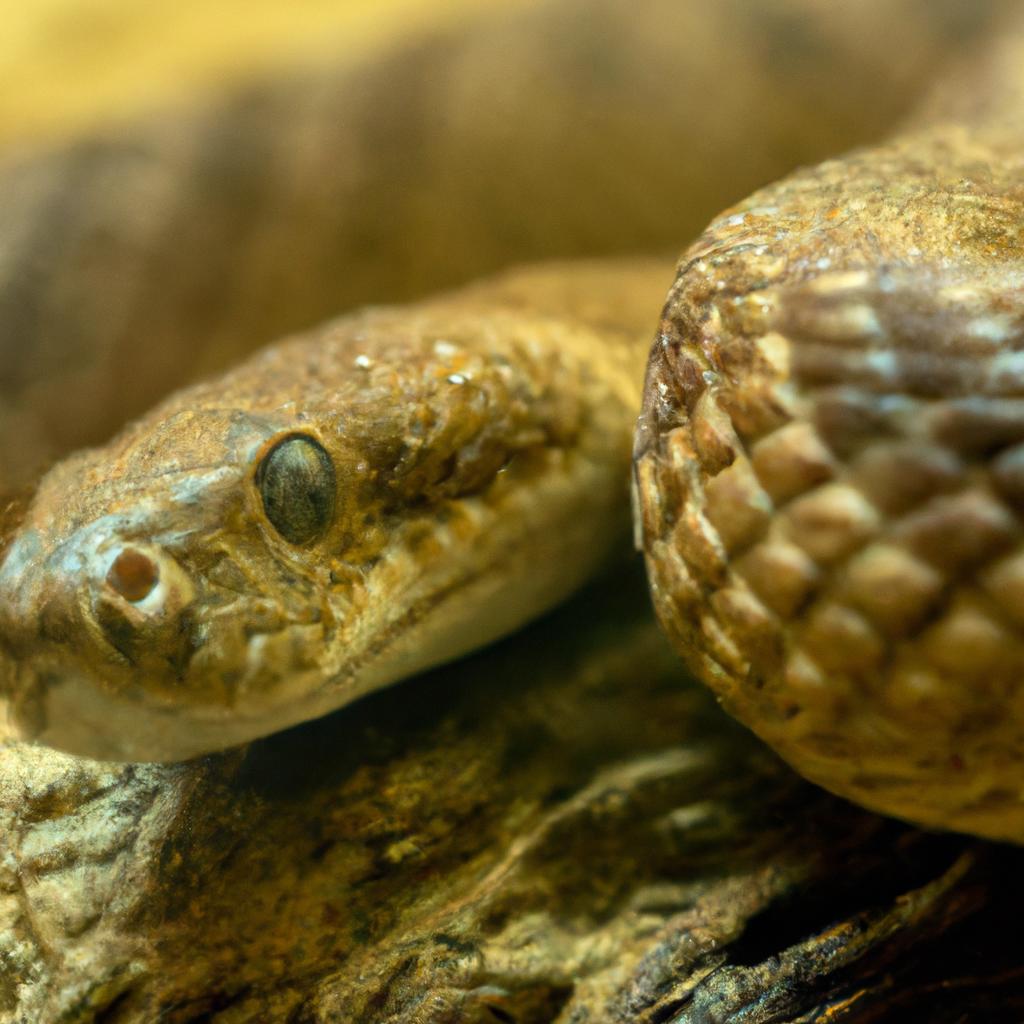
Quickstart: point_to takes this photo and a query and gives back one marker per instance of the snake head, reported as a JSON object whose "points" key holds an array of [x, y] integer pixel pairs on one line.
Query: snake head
{"points": [[144, 579], [339, 512]]}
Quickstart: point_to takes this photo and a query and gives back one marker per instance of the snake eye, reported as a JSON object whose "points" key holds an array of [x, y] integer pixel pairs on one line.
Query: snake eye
{"points": [[296, 482]]}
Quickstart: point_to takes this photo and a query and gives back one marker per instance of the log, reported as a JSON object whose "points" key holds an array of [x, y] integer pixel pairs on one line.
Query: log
{"points": [[562, 828]]}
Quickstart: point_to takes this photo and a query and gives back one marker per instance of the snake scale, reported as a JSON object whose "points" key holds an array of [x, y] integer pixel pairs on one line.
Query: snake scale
{"points": [[827, 469]]}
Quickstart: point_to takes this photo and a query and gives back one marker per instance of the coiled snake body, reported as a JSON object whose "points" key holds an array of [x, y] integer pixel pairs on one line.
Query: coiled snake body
{"points": [[827, 483]]}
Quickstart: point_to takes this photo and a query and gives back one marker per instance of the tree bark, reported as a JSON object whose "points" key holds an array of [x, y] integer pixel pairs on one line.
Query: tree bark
{"points": [[562, 828]]}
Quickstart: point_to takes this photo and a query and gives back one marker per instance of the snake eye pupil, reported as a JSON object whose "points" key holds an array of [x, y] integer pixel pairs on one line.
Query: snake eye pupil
{"points": [[296, 482]]}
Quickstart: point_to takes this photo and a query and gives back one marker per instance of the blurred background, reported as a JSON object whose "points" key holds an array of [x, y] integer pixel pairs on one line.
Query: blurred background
{"points": [[181, 183], [67, 65]]}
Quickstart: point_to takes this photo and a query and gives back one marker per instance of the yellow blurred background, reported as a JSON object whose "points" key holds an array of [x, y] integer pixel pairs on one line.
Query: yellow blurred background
{"points": [[67, 64]]}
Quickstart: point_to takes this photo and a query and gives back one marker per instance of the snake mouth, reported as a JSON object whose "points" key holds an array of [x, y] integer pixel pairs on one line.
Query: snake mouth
{"points": [[69, 709]]}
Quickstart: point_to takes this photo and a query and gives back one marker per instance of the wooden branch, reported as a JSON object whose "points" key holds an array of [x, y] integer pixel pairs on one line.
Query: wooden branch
{"points": [[562, 828]]}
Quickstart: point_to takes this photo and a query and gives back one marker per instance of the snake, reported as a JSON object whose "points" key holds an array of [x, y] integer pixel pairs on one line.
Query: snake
{"points": [[820, 455]]}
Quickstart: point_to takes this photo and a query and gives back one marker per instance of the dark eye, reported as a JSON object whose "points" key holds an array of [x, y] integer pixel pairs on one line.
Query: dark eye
{"points": [[296, 484]]}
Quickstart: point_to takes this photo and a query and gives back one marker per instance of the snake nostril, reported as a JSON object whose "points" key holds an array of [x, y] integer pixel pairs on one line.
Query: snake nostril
{"points": [[133, 575]]}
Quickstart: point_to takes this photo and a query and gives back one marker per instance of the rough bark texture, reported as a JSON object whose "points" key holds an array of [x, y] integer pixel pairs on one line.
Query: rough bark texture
{"points": [[581, 838]]}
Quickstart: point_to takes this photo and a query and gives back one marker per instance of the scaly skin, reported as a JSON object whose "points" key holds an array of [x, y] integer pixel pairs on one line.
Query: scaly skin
{"points": [[829, 462], [825, 470]]}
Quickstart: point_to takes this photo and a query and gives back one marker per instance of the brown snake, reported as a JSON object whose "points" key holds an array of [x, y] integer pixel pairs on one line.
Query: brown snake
{"points": [[827, 483]]}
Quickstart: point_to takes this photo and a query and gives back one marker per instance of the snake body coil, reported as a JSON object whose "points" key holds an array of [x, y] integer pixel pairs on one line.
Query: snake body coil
{"points": [[827, 482], [830, 457]]}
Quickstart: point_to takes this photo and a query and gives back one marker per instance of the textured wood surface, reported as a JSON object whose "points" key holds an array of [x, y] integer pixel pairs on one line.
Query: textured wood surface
{"points": [[584, 838]]}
